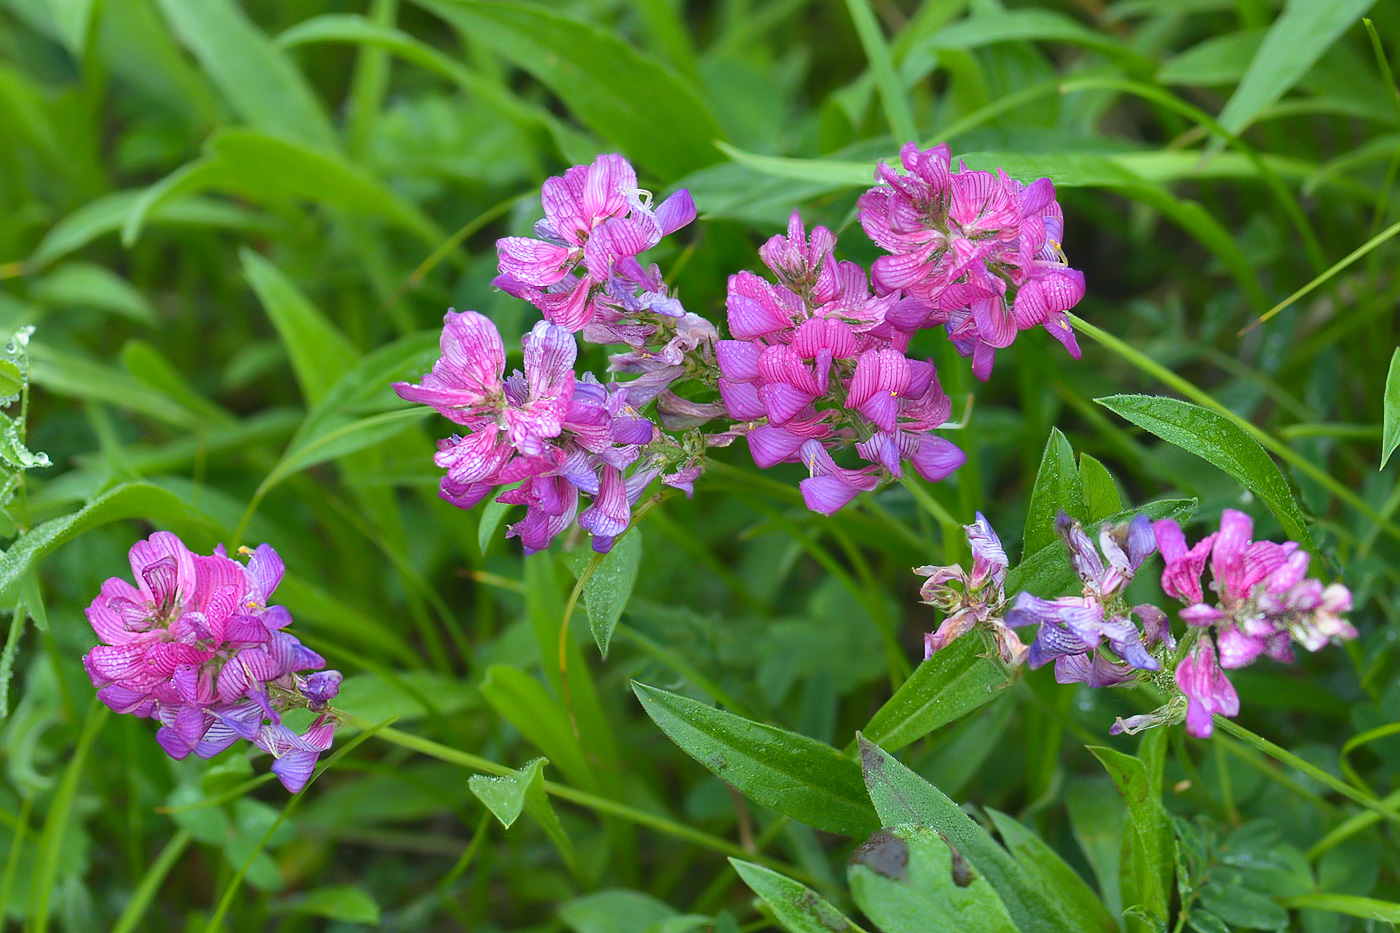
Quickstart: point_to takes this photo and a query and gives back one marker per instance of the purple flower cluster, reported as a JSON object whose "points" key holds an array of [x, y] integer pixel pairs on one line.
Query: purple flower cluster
{"points": [[816, 362], [195, 646], [553, 434], [1093, 638], [979, 253], [971, 600], [1263, 602]]}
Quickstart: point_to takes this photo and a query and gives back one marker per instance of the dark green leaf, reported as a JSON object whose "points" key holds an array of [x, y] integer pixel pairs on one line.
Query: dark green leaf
{"points": [[632, 100], [797, 907], [911, 879], [1057, 487], [946, 687], [615, 911], [901, 796], [793, 774], [1391, 437], [523, 789], [606, 592], [1101, 497], [1220, 442], [1038, 859], [1241, 907], [1149, 859], [1294, 42], [257, 78], [339, 902]]}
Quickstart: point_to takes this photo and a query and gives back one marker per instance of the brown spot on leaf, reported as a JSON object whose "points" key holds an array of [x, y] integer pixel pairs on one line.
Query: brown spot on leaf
{"points": [[885, 854], [962, 872]]}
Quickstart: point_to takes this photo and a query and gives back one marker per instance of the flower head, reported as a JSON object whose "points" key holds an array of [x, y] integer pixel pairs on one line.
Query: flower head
{"points": [[1259, 602], [972, 599], [977, 252], [195, 645], [1093, 638]]}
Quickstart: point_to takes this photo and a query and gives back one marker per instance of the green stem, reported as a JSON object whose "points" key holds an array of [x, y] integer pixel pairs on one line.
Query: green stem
{"points": [[1284, 756], [151, 882], [1159, 372], [593, 802], [1358, 823]]}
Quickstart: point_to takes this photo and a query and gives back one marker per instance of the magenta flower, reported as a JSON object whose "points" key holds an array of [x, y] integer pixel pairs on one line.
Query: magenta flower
{"points": [[583, 265], [1206, 688], [195, 646], [1263, 602], [968, 600], [977, 253], [817, 364], [1073, 629]]}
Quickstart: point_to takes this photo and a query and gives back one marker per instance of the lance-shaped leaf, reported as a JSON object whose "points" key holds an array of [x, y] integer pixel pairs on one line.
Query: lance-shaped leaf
{"points": [[1221, 443], [1148, 846], [946, 687], [1057, 486], [609, 587], [1391, 436], [911, 879], [793, 774], [508, 795], [901, 796], [1043, 862], [797, 907]]}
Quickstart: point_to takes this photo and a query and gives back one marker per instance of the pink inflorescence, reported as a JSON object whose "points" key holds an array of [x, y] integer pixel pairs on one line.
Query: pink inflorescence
{"points": [[816, 362], [977, 253], [553, 434], [195, 646], [1260, 602]]}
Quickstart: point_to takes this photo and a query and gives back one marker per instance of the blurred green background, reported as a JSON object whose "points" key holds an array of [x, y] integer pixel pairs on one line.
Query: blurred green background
{"points": [[233, 224]]}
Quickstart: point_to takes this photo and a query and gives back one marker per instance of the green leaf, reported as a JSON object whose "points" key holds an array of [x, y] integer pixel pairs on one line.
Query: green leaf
{"points": [[522, 701], [133, 500], [1148, 844], [492, 514], [272, 169], [954, 682], [1101, 497], [108, 214], [607, 590], [911, 879], [508, 795], [901, 796], [339, 902], [790, 773], [632, 100], [150, 366], [404, 695], [1391, 437], [1218, 60], [1048, 573], [73, 18], [1294, 42], [797, 907], [1054, 873], [80, 377], [342, 439], [346, 27], [1057, 486], [1097, 818], [319, 352], [1029, 25], [615, 911], [92, 287], [1367, 908], [1221, 443], [259, 81], [1240, 907]]}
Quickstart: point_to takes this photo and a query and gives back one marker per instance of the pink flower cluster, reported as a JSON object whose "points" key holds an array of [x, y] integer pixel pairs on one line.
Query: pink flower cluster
{"points": [[553, 434], [581, 270], [195, 646], [816, 362], [979, 252], [1263, 602]]}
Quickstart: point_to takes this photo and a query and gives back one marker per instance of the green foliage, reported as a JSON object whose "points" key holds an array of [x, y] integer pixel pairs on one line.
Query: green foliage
{"points": [[230, 226]]}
